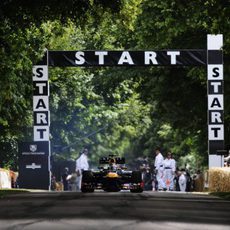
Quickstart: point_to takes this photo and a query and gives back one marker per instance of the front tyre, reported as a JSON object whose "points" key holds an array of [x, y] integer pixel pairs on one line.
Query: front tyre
{"points": [[137, 183], [87, 183]]}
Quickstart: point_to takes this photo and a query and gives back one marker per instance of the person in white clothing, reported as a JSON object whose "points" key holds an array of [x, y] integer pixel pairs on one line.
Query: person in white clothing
{"points": [[169, 171], [159, 167], [81, 165], [182, 181]]}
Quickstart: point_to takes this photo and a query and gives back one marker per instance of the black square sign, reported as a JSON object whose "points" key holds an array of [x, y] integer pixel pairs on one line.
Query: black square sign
{"points": [[34, 170]]}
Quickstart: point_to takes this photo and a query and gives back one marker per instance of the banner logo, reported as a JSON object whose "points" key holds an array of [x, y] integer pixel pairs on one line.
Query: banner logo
{"points": [[33, 148]]}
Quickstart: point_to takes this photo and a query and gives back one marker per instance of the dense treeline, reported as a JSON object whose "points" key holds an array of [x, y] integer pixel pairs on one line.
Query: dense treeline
{"points": [[127, 111]]}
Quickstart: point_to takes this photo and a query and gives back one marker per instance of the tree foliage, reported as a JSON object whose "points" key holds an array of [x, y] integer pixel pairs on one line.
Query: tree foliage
{"points": [[179, 94], [110, 110]]}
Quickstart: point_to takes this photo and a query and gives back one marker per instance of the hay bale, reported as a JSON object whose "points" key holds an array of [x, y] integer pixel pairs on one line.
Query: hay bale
{"points": [[5, 179], [59, 186], [219, 179]]}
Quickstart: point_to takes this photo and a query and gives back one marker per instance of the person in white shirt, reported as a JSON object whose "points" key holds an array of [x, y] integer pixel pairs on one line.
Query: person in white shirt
{"points": [[159, 167], [169, 171], [81, 165], [182, 181]]}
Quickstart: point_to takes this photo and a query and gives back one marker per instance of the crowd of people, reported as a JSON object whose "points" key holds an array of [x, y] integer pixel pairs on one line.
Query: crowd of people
{"points": [[72, 181], [166, 176], [163, 175]]}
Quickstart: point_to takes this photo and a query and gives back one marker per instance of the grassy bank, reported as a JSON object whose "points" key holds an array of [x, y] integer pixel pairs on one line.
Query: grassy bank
{"points": [[223, 195], [6, 192]]}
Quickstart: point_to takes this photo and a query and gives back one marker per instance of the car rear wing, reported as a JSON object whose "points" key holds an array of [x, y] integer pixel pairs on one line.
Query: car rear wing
{"points": [[113, 159]]}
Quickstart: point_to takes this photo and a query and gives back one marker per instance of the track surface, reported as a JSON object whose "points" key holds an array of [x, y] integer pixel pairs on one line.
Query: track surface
{"points": [[123, 210]]}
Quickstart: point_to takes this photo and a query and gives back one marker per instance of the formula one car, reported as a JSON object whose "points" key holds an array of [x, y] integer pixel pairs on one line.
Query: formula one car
{"points": [[112, 177]]}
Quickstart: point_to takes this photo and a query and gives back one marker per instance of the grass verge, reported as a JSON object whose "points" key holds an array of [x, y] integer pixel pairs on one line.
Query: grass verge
{"points": [[223, 195], [6, 192]]}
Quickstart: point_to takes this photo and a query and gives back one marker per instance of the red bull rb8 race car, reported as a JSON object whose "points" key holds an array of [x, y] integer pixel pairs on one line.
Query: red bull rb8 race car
{"points": [[112, 177]]}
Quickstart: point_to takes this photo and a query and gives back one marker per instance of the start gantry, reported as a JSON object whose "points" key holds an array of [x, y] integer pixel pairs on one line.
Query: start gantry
{"points": [[127, 58]]}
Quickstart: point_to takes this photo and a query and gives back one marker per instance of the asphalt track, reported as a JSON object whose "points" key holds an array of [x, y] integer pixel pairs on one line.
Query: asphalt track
{"points": [[108, 211]]}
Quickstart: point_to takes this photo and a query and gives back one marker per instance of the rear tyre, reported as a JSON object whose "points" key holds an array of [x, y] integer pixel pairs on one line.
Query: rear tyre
{"points": [[87, 177], [136, 179]]}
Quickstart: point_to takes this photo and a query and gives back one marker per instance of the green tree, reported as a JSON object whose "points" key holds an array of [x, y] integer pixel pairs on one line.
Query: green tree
{"points": [[179, 95], [112, 110], [23, 40]]}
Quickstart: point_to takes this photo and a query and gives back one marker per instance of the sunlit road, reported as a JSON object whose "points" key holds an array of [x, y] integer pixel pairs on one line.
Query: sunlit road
{"points": [[123, 210]]}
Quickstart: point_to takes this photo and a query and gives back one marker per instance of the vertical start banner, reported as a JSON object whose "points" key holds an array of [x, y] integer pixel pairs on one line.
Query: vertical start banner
{"points": [[215, 91], [34, 157], [41, 103]]}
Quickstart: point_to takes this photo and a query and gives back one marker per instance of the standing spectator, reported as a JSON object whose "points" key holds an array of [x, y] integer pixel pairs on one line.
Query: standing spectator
{"points": [[176, 180], [182, 181], [65, 180], [169, 171], [188, 181], [147, 178], [81, 165], [154, 182], [227, 160], [53, 182], [159, 167], [72, 181], [199, 181]]}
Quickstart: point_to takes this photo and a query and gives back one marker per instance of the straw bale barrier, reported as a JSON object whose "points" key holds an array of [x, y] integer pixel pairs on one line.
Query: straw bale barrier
{"points": [[8, 178], [219, 179], [5, 179]]}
